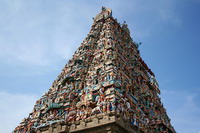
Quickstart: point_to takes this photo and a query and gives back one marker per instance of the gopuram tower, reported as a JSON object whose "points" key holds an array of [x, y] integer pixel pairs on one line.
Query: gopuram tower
{"points": [[106, 87]]}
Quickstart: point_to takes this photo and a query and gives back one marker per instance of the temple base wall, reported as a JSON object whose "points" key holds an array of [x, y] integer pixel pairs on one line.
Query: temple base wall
{"points": [[95, 124]]}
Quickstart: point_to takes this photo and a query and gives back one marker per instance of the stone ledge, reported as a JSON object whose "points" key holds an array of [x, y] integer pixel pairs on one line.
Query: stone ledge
{"points": [[53, 128]]}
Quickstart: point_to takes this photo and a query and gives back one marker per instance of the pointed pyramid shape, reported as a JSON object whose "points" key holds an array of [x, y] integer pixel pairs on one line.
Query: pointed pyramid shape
{"points": [[105, 87]]}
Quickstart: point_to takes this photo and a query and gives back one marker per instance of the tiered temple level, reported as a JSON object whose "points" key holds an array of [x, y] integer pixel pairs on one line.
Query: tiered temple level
{"points": [[105, 87]]}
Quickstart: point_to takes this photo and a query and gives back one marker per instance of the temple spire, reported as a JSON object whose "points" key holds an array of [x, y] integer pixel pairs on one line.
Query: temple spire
{"points": [[105, 87]]}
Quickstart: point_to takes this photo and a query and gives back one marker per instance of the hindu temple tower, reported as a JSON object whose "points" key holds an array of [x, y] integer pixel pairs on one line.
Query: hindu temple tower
{"points": [[106, 87]]}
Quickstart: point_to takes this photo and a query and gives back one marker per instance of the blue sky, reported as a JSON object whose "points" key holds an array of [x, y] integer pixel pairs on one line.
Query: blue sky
{"points": [[38, 37]]}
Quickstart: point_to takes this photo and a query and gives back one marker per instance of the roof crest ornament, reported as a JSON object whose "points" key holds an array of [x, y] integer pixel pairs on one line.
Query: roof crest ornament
{"points": [[105, 13]]}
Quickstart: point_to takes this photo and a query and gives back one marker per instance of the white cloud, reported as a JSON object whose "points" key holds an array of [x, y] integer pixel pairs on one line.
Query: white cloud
{"points": [[13, 108], [182, 109], [31, 54], [37, 37]]}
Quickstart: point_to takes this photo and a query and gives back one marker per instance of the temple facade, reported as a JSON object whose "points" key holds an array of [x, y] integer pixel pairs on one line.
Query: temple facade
{"points": [[106, 87]]}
